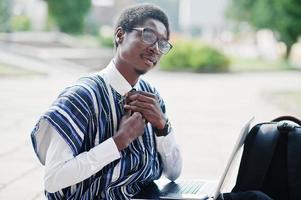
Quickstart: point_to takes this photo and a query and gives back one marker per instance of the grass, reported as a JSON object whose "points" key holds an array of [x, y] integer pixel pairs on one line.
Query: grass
{"points": [[288, 100], [243, 64], [6, 70]]}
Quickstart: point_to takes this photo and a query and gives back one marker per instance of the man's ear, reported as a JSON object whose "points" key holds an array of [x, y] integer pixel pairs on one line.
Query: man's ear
{"points": [[119, 35]]}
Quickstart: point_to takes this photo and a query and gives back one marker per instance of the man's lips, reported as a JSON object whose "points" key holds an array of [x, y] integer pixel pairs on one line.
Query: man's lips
{"points": [[151, 59]]}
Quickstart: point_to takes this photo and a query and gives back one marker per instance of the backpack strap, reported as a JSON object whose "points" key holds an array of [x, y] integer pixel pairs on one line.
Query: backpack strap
{"points": [[292, 127], [258, 152], [294, 162]]}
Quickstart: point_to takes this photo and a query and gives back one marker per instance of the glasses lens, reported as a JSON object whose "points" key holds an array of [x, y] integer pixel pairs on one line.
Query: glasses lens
{"points": [[149, 36], [164, 46]]}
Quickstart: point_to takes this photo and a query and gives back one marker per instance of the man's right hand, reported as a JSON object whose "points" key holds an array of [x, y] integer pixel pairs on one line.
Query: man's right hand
{"points": [[131, 127]]}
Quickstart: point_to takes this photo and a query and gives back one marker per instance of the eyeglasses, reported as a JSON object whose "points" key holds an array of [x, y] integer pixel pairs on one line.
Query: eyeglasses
{"points": [[150, 37]]}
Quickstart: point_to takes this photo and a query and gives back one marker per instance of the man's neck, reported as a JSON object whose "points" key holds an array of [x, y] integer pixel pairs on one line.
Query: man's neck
{"points": [[126, 71]]}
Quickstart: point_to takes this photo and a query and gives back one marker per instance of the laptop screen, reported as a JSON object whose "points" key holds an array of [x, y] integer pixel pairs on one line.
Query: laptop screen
{"points": [[239, 143]]}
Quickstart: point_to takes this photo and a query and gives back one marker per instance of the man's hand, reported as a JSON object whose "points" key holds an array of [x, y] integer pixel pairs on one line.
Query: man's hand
{"points": [[148, 105], [131, 127]]}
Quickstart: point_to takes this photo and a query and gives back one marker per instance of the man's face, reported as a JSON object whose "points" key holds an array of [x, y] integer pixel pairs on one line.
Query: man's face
{"points": [[139, 54]]}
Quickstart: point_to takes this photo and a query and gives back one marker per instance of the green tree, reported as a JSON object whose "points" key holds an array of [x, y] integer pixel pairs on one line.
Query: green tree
{"points": [[69, 15], [281, 16], [4, 15]]}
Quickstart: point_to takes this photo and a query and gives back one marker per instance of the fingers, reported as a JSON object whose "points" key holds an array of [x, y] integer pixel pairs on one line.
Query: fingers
{"points": [[138, 116], [134, 121], [139, 120], [131, 128], [139, 99], [134, 116], [142, 96], [147, 94], [127, 113], [138, 106], [135, 109], [144, 103], [139, 102]]}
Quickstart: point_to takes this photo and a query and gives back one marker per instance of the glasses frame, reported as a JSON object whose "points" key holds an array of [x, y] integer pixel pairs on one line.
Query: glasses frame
{"points": [[156, 41]]}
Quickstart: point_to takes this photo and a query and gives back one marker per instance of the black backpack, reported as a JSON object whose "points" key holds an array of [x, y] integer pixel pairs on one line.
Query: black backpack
{"points": [[271, 159]]}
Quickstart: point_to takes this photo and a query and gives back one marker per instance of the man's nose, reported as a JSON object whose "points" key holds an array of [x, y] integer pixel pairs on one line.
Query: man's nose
{"points": [[155, 47]]}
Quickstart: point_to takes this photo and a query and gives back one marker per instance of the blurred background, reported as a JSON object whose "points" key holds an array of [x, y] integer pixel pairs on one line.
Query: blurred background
{"points": [[231, 59]]}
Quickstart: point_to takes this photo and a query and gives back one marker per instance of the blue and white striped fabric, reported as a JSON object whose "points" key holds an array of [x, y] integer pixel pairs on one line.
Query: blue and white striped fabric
{"points": [[82, 115]]}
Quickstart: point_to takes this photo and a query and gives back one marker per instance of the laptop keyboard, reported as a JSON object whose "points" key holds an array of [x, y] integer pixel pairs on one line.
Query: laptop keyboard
{"points": [[189, 187]]}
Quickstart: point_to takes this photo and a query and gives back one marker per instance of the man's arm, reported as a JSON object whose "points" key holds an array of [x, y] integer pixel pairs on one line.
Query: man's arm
{"points": [[171, 156], [62, 169]]}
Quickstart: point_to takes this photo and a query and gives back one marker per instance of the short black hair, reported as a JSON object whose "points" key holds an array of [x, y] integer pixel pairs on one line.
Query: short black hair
{"points": [[138, 14]]}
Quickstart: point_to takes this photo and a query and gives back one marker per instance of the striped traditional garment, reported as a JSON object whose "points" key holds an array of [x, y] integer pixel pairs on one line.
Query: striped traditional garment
{"points": [[82, 115]]}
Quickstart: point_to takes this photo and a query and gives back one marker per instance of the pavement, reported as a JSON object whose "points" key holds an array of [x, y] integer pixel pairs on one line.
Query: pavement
{"points": [[207, 112]]}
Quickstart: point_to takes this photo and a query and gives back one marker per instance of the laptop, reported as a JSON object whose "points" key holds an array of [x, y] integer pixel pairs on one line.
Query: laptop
{"points": [[193, 189]]}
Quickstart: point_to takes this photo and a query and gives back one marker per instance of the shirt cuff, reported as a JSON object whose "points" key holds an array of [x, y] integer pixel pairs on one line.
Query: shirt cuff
{"points": [[166, 144]]}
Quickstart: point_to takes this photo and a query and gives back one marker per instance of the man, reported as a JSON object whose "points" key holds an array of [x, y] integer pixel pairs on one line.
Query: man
{"points": [[108, 135]]}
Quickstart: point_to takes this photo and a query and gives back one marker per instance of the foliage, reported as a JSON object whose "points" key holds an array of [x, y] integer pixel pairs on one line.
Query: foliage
{"points": [[91, 27], [106, 37], [192, 55], [106, 41], [281, 16], [69, 15], [4, 15], [20, 23]]}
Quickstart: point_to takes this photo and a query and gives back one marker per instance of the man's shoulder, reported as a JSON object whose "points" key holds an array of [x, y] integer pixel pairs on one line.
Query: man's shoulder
{"points": [[87, 85], [148, 87], [91, 80], [145, 85]]}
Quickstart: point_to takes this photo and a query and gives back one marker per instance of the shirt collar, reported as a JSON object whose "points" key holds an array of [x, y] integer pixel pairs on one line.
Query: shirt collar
{"points": [[117, 81]]}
